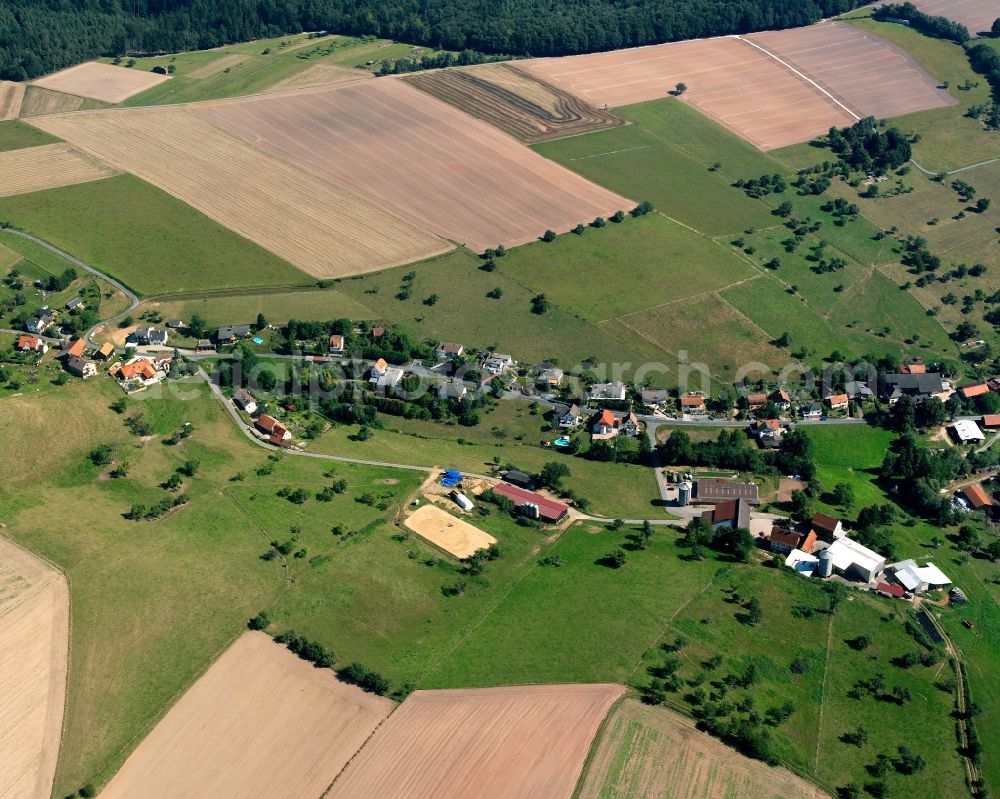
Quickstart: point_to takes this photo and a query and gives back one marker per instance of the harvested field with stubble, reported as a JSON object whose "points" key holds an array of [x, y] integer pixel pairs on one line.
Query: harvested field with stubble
{"points": [[34, 644], [653, 752], [526, 107], [865, 72], [11, 95], [452, 534], [101, 81], [38, 101], [516, 742], [321, 75], [976, 15], [260, 722], [47, 167], [324, 230], [418, 157], [728, 80]]}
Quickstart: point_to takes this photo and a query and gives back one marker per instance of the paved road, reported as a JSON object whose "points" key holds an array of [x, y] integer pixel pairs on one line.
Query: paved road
{"points": [[132, 298]]}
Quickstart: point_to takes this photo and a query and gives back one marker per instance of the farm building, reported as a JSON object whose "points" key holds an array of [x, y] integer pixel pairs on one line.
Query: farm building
{"points": [[965, 431], [915, 384], [731, 513], [802, 562], [827, 528], [32, 344], [976, 496], [854, 560], [918, 579], [244, 399], [991, 420], [784, 540], [890, 590], [607, 391], [75, 349], [519, 479], [531, 504], [709, 491], [977, 390]]}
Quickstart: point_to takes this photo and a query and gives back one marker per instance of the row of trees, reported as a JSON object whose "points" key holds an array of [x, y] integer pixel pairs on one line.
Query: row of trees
{"points": [[730, 451], [39, 36]]}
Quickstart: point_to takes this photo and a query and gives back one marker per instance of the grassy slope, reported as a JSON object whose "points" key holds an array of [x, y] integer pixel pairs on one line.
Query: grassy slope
{"points": [[254, 71], [146, 238], [14, 135]]}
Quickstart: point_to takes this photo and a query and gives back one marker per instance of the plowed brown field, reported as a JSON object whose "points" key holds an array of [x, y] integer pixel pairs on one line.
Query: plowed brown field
{"points": [[324, 230], [524, 106], [47, 167], [34, 643], [865, 72], [11, 95], [976, 15], [101, 81], [260, 722], [443, 170], [38, 101], [653, 752], [727, 79], [518, 742]]}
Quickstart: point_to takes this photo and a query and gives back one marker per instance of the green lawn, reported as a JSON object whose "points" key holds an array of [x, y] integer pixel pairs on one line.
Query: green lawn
{"points": [[654, 160], [463, 312], [14, 135], [146, 238], [624, 268]]}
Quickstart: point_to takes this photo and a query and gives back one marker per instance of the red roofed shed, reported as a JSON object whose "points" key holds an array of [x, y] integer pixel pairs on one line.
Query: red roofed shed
{"points": [[548, 509]]}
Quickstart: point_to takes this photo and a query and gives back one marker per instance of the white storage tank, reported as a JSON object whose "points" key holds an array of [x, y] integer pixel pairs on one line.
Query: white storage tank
{"points": [[684, 494], [825, 563]]}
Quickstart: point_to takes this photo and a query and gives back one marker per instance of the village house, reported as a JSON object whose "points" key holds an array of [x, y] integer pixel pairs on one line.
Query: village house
{"points": [[378, 369], [783, 540], [244, 399], [41, 320], [837, 402], [608, 424], [106, 352], [74, 303], [812, 411], [31, 344], [175, 324], [549, 378], [693, 404], [137, 374], [74, 349], [827, 527], [335, 346], [991, 420], [733, 513], [859, 391], [614, 391], [570, 418], [230, 334], [965, 431], [274, 430], [497, 364], [447, 350], [80, 367], [913, 369], [767, 432], [781, 399], [451, 390], [390, 378], [150, 336], [756, 401], [656, 399]]}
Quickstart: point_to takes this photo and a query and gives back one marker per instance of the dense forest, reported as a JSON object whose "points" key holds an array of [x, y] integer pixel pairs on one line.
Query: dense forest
{"points": [[38, 36]]}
